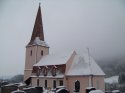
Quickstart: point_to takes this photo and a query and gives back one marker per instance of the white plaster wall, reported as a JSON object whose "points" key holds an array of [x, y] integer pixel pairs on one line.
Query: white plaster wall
{"points": [[98, 82], [84, 81], [31, 60], [49, 82]]}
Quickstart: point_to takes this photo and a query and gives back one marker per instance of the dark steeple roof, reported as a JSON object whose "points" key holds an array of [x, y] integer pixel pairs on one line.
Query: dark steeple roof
{"points": [[38, 28]]}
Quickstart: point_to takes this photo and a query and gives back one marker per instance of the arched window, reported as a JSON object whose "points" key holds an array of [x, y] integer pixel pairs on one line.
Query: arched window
{"points": [[54, 83], [41, 52], [77, 86], [31, 53], [45, 83]]}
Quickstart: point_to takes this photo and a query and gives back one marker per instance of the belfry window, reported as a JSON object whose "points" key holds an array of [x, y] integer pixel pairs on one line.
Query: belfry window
{"points": [[31, 53], [41, 52]]}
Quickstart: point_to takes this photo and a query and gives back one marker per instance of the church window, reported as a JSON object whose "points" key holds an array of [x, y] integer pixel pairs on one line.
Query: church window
{"points": [[77, 86], [41, 52], [54, 83], [45, 83], [61, 82], [37, 82], [31, 53]]}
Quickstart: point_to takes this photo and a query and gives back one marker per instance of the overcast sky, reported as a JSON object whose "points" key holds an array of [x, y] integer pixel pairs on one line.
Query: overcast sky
{"points": [[68, 25]]}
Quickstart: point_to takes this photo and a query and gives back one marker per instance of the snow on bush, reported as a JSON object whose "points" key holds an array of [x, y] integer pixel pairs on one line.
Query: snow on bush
{"points": [[96, 91]]}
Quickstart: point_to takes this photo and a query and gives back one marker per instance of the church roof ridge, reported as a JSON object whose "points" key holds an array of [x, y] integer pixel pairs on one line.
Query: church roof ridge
{"points": [[54, 59]]}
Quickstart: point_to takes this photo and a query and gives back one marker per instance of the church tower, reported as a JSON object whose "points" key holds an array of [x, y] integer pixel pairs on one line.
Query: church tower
{"points": [[37, 47]]}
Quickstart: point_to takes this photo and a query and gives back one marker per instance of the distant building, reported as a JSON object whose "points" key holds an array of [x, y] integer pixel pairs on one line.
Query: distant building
{"points": [[70, 69]]}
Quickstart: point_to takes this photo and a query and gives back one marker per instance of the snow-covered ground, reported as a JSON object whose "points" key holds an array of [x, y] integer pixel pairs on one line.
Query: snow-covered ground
{"points": [[111, 80]]}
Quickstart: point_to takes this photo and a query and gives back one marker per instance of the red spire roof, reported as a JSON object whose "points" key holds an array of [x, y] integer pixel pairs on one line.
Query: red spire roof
{"points": [[38, 28]]}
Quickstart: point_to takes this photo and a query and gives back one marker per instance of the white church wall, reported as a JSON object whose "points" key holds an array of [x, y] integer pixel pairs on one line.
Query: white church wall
{"points": [[98, 82], [84, 82], [49, 82]]}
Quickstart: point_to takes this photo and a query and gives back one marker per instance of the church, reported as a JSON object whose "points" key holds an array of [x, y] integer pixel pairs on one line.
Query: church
{"points": [[69, 69]]}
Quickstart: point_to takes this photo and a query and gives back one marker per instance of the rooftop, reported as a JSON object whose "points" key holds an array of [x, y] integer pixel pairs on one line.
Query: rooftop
{"points": [[54, 59], [82, 66]]}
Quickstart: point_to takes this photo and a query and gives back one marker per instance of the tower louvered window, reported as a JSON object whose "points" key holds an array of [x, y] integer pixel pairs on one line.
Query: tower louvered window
{"points": [[31, 53], [41, 52]]}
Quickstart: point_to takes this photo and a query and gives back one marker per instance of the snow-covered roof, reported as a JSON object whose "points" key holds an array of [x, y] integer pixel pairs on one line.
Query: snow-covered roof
{"points": [[39, 42], [12, 84], [59, 90], [54, 59], [29, 88], [18, 91], [90, 87], [83, 66]]}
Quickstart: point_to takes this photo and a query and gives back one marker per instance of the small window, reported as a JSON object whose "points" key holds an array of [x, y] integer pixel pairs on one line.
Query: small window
{"points": [[37, 82], [61, 82], [54, 83], [31, 53], [45, 83], [41, 52]]}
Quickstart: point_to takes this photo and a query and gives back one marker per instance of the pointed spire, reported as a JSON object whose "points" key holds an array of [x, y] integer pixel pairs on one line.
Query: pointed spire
{"points": [[39, 3], [38, 27]]}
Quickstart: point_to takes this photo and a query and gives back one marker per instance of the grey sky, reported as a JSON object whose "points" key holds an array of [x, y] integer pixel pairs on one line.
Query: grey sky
{"points": [[68, 25]]}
